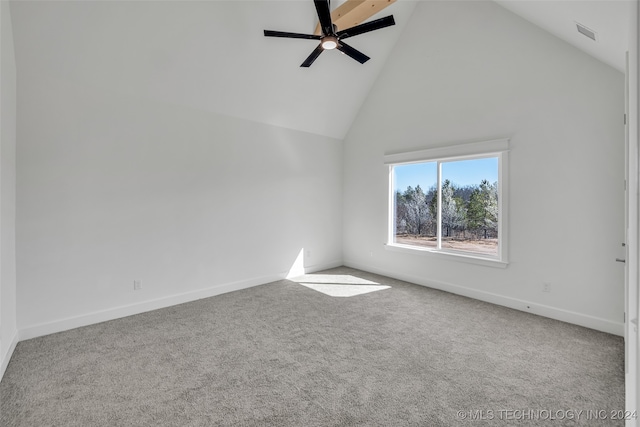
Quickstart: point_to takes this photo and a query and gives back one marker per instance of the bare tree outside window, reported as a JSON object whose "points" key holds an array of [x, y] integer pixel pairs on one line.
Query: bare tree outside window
{"points": [[468, 208]]}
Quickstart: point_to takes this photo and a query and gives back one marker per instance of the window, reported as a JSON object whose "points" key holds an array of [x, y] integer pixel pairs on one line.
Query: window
{"points": [[451, 201]]}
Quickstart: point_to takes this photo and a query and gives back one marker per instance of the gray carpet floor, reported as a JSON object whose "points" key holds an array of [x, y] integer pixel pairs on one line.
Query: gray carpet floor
{"points": [[284, 354]]}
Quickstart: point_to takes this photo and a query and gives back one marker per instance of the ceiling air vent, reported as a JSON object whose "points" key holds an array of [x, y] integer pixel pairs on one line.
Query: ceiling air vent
{"points": [[585, 31]]}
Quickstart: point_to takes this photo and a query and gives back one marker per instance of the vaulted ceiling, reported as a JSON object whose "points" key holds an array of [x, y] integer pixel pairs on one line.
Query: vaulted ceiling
{"points": [[213, 56], [611, 20]]}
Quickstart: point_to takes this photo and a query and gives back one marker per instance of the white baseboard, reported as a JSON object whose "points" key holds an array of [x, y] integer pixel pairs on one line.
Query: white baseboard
{"points": [[5, 358], [129, 310], [141, 307], [592, 322]]}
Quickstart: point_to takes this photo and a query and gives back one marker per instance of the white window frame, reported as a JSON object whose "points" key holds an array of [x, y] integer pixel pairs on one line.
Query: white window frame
{"points": [[476, 150]]}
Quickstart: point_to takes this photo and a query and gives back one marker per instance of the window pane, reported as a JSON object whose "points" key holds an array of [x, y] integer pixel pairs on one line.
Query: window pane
{"points": [[470, 205], [415, 207]]}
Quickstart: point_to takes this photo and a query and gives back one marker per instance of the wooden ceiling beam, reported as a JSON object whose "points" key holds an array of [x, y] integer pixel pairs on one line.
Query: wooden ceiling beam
{"points": [[355, 12]]}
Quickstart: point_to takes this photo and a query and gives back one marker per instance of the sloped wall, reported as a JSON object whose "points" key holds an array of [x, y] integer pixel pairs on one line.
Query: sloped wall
{"points": [[473, 71], [115, 189]]}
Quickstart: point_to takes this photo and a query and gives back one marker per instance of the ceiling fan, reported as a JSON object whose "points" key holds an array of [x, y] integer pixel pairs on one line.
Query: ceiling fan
{"points": [[330, 37]]}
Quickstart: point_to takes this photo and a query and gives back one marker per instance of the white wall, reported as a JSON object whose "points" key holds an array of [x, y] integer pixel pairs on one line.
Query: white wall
{"points": [[465, 71], [113, 189], [8, 328], [632, 337]]}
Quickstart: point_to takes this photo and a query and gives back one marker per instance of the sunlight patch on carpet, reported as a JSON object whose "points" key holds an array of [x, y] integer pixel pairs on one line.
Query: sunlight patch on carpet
{"points": [[338, 285]]}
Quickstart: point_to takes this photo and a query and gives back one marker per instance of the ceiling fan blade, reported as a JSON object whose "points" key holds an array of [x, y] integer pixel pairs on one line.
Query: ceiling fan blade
{"points": [[366, 27], [270, 33], [314, 55], [324, 16], [354, 53]]}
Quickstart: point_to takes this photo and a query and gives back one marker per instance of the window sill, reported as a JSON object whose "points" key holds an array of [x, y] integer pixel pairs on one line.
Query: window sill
{"points": [[450, 256]]}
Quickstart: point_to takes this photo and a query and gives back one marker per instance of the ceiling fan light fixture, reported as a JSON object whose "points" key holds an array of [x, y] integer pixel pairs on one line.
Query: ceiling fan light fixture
{"points": [[329, 42]]}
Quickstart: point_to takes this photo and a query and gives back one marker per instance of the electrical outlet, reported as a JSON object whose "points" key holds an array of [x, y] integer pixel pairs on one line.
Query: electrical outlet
{"points": [[137, 285], [307, 253], [546, 287]]}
